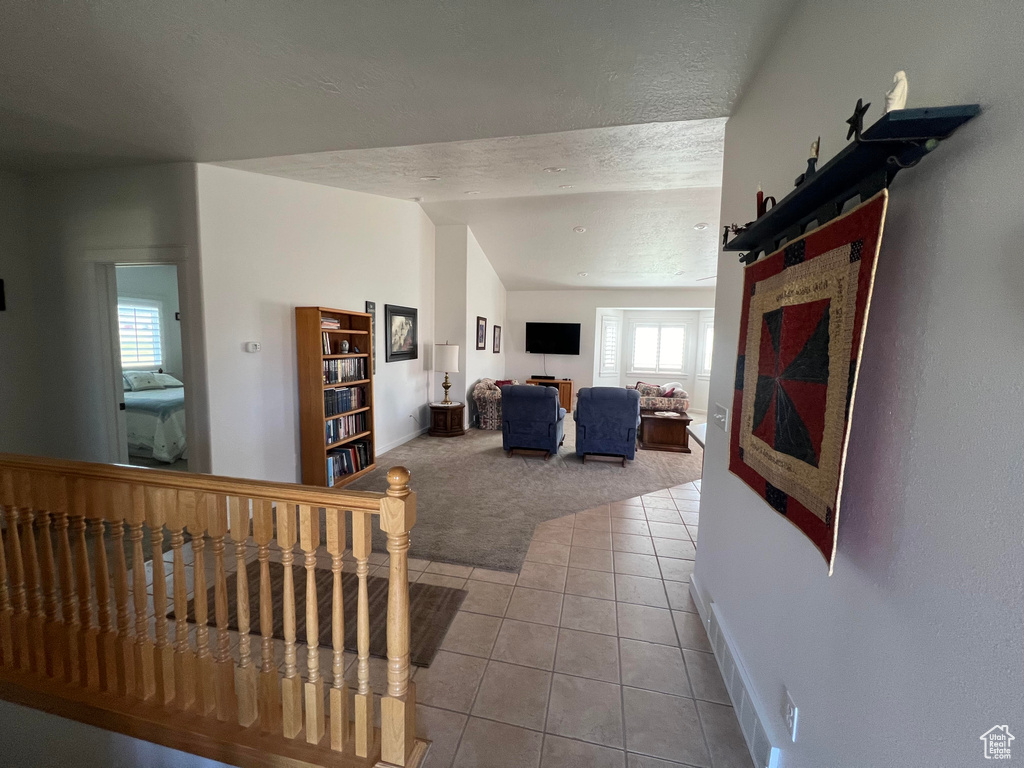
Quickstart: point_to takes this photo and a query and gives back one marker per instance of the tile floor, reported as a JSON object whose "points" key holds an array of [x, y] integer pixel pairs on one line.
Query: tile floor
{"points": [[592, 655]]}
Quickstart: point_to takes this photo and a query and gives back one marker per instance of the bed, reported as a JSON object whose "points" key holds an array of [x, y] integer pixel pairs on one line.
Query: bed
{"points": [[155, 420]]}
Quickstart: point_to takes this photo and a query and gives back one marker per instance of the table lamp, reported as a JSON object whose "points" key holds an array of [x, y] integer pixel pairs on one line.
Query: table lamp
{"points": [[446, 360]]}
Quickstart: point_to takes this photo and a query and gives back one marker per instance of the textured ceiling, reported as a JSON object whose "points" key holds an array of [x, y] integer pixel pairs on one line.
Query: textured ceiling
{"points": [[89, 82]]}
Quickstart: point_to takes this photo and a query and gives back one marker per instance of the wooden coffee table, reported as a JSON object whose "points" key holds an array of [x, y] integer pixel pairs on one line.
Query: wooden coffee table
{"points": [[664, 432]]}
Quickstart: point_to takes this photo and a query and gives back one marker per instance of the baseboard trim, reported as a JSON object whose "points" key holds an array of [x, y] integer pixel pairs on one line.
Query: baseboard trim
{"points": [[400, 441]]}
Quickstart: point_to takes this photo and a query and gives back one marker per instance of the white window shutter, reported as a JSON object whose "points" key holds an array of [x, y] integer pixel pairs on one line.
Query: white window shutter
{"points": [[139, 330]]}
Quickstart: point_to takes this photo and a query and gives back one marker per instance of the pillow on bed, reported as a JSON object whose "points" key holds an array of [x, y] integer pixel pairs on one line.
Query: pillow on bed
{"points": [[166, 380], [127, 384], [142, 380]]}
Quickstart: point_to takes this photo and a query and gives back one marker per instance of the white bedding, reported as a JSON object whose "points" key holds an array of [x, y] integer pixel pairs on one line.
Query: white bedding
{"points": [[156, 424]]}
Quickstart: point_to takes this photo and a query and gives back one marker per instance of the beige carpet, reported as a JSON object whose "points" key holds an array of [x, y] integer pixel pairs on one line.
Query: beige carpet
{"points": [[477, 507]]}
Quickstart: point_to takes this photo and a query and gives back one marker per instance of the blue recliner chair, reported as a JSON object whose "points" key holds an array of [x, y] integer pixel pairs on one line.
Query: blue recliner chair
{"points": [[606, 422], [531, 419]]}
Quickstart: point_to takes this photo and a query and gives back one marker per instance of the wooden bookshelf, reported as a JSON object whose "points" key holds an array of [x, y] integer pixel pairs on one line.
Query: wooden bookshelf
{"points": [[313, 389]]}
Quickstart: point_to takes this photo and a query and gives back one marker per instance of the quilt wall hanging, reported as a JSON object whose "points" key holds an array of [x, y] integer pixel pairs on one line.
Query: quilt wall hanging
{"points": [[805, 308]]}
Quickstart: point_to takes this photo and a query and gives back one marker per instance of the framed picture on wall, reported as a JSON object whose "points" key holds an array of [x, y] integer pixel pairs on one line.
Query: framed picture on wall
{"points": [[371, 310], [497, 339], [481, 332], [402, 333]]}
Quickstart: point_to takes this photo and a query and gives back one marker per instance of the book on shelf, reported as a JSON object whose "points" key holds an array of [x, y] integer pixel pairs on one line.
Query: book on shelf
{"points": [[341, 371], [345, 426], [343, 399], [347, 460], [330, 323]]}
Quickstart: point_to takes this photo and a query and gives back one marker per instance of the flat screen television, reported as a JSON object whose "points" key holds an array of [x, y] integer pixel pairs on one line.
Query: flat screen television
{"points": [[553, 338]]}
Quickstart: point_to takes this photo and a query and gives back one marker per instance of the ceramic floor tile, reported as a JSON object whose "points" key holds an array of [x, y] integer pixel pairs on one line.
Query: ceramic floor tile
{"points": [[684, 493], [640, 590], [669, 516], [567, 753], [514, 695], [669, 531], [658, 502], [688, 505], [440, 580], [691, 631], [628, 512], [486, 744], [664, 726], [590, 584], [635, 501], [653, 667], [601, 509], [553, 554], [472, 634], [486, 597], [683, 550], [588, 614], [646, 761], [589, 710], [591, 559], [633, 527], [565, 521], [591, 522], [444, 729], [636, 565], [690, 518], [627, 542], [450, 682], [526, 643], [446, 569], [692, 530], [679, 596], [641, 622], [581, 537], [416, 564], [724, 737], [585, 654], [663, 493], [495, 577], [705, 677], [542, 576], [535, 605], [673, 569], [559, 535]]}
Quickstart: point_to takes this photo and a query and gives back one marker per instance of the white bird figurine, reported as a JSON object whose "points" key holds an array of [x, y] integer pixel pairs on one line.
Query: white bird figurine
{"points": [[896, 97]]}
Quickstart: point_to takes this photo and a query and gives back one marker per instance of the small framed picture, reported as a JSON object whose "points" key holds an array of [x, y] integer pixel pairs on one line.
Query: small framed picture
{"points": [[403, 333], [481, 332], [497, 339]]}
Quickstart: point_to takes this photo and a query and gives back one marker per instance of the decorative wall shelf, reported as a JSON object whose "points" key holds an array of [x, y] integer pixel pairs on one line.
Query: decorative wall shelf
{"points": [[869, 164]]}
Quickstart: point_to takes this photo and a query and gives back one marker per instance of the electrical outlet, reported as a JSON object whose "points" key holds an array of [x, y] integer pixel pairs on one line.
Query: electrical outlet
{"points": [[792, 713], [721, 417]]}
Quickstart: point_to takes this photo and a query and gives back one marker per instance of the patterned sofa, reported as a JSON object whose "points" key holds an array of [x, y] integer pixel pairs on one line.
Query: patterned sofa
{"points": [[667, 397], [487, 396]]}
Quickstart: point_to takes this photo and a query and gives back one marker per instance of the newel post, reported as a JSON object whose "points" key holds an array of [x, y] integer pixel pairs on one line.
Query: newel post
{"points": [[398, 707]]}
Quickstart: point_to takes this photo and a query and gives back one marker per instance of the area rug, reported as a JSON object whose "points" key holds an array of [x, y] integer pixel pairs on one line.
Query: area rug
{"points": [[475, 506], [431, 609], [805, 308]]}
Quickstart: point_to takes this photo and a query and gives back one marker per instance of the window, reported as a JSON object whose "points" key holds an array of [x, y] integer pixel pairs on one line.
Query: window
{"points": [[709, 346], [609, 346], [658, 347], [138, 324]]}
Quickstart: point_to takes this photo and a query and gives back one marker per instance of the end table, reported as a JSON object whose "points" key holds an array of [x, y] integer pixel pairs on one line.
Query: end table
{"points": [[446, 419]]}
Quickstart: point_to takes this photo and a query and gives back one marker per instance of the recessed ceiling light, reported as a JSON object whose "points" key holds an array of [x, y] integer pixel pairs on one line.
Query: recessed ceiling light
{"points": [[416, 199], [579, 230], [701, 226], [472, 192], [554, 169], [582, 274], [430, 178], [680, 272], [565, 186]]}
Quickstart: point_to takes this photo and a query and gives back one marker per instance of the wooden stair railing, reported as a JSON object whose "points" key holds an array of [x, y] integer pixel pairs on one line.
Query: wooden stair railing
{"points": [[81, 637]]}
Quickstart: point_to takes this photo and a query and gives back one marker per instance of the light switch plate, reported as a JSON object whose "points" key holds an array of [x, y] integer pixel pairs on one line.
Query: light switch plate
{"points": [[792, 715], [721, 417], [253, 346]]}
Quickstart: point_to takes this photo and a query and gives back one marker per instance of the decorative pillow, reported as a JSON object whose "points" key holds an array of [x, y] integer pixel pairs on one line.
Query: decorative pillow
{"points": [[127, 384], [142, 380], [648, 390], [666, 390], [503, 382], [168, 381]]}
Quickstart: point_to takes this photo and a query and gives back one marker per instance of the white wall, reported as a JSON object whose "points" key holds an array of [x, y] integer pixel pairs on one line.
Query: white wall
{"points": [[21, 361], [157, 282], [578, 307], [272, 244], [79, 221], [485, 297], [451, 243], [912, 649]]}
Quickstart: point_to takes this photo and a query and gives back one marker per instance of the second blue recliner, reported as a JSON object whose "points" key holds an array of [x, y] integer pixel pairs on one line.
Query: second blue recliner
{"points": [[606, 422], [531, 419]]}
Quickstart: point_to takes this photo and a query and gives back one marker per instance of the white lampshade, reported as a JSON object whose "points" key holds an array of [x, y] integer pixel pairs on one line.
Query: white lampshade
{"points": [[446, 358]]}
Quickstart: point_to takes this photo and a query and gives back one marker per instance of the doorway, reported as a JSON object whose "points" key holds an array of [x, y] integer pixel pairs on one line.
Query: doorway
{"points": [[150, 365]]}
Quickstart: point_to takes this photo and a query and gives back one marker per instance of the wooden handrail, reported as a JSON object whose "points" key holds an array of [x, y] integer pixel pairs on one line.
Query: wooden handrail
{"points": [[80, 636]]}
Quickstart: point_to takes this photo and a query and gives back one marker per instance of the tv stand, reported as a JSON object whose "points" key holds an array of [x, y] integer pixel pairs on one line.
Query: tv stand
{"points": [[564, 387]]}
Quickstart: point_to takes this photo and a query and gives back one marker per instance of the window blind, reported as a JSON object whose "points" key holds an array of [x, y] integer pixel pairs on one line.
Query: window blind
{"points": [[139, 329]]}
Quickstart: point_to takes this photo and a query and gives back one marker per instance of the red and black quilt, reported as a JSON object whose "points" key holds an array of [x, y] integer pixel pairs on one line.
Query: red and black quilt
{"points": [[805, 308]]}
